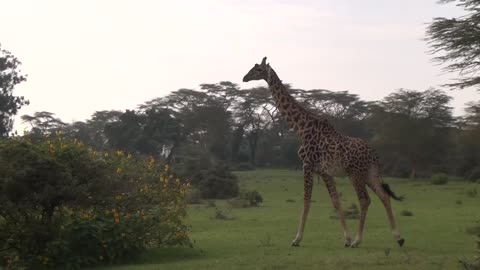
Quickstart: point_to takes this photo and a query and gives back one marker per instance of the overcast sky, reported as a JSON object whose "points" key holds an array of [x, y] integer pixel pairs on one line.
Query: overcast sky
{"points": [[89, 55]]}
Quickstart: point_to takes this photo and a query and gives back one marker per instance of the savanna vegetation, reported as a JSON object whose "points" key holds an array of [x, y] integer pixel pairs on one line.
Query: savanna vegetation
{"points": [[117, 187]]}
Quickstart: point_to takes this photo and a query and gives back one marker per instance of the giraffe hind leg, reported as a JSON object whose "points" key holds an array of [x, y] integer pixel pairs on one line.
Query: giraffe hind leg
{"points": [[375, 184]]}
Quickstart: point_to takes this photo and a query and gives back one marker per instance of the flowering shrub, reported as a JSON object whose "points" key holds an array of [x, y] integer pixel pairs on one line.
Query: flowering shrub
{"points": [[63, 205]]}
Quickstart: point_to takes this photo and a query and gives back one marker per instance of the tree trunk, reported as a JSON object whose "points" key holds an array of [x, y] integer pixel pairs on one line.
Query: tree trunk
{"points": [[237, 140]]}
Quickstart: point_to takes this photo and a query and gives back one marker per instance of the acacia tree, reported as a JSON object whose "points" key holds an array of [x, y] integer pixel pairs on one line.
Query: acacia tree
{"points": [[43, 122], [10, 76], [413, 130], [456, 42]]}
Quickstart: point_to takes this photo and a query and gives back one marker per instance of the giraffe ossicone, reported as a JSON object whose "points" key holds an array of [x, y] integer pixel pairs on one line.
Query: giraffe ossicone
{"points": [[324, 149]]}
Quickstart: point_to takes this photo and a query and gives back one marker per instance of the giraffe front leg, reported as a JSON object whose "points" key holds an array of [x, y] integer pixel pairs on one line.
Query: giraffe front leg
{"points": [[308, 184], [332, 191]]}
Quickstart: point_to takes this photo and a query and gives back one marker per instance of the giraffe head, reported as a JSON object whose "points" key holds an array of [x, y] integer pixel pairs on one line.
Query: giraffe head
{"points": [[258, 72]]}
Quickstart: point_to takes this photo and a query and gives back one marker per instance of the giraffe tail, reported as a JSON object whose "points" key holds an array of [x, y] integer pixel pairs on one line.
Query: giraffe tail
{"points": [[389, 191]]}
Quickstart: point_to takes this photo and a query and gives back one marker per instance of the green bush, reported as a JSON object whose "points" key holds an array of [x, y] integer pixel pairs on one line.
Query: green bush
{"points": [[406, 213], [65, 206], [216, 183], [351, 212], [439, 179], [253, 197], [473, 264], [472, 192], [475, 229]]}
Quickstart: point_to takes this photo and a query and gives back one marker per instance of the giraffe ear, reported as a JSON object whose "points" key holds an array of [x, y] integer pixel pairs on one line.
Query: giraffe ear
{"points": [[264, 61]]}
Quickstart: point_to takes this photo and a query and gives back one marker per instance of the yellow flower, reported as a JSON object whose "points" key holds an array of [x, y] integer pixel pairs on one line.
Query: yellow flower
{"points": [[106, 154], [119, 153], [119, 170]]}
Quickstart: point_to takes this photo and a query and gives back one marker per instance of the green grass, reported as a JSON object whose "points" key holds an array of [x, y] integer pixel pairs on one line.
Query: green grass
{"points": [[259, 238]]}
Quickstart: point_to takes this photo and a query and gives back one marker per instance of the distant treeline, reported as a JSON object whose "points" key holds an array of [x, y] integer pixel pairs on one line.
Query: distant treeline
{"points": [[414, 132]]}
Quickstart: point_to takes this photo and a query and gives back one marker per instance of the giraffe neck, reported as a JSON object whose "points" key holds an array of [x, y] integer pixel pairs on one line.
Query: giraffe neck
{"points": [[296, 116]]}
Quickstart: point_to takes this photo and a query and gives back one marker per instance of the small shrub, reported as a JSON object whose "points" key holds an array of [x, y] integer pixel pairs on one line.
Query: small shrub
{"points": [[253, 197], [471, 192], [406, 213], [473, 264], [474, 230], [216, 183], [246, 199], [351, 212], [439, 179], [458, 202], [290, 200]]}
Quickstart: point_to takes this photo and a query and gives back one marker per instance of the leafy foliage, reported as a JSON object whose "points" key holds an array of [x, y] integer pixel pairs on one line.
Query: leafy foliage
{"points": [[252, 196], [10, 76], [216, 183], [456, 42], [414, 132], [406, 213], [64, 205], [439, 179]]}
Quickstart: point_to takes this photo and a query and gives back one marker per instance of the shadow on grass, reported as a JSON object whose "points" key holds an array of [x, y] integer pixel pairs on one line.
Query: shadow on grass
{"points": [[157, 256], [164, 255]]}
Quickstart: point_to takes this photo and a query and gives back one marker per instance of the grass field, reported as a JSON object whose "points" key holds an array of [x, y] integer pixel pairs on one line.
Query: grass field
{"points": [[259, 238]]}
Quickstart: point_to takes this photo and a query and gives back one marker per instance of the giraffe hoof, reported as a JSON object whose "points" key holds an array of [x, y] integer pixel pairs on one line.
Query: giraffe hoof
{"points": [[355, 244], [296, 243], [401, 242], [348, 242]]}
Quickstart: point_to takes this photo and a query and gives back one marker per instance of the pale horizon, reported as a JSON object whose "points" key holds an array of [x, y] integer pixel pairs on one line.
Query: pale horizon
{"points": [[86, 56]]}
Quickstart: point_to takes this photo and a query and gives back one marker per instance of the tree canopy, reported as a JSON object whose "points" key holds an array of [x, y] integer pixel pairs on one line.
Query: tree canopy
{"points": [[456, 43], [10, 76]]}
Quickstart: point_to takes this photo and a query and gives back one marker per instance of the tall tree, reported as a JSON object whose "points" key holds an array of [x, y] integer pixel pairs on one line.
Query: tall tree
{"points": [[43, 122], [414, 127], [456, 42], [10, 76]]}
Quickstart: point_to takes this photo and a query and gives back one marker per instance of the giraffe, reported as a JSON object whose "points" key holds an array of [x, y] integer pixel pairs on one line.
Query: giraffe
{"points": [[324, 149]]}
